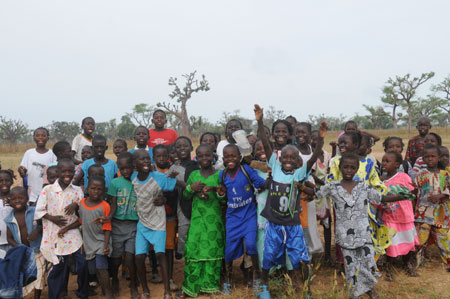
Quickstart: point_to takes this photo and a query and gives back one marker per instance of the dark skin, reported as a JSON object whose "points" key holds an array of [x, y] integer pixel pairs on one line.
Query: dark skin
{"points": [[119, 147], [394, 145], [431, 158], [5, 185], [303, 137], [40, 138], [99, 148], [314, 138], [210, 140], [161, 157], [444, 157], [280, 136], [389, 165], [232, 127], [423, 126], [88, 127], [183, 149], [159, 120], [141, 136]]}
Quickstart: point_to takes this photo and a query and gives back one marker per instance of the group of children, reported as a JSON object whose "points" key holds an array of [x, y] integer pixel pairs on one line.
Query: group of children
{"points": [[78, 207]]}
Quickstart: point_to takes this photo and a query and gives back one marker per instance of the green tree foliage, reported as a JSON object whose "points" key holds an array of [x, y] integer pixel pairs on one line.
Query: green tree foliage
{"points": [[126, 128], [334, 123], [63, 130], [442, 94], [142, 114], [12, 130], [109, 129], [379, 118]]}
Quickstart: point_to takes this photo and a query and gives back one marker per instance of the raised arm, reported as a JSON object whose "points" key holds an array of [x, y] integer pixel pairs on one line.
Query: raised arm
{"points": [[259, 119], [318, 149]]}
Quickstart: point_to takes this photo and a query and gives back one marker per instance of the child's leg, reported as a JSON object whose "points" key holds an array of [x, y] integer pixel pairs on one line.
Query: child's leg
{"points": [[82, 274], [423, 232], [142, 245], [56, 278], [101, 266], [141, 272], [37, 294], [389, 268], [296, 249], [443, 241], [130, 263], [327, 238], [161, 257]]}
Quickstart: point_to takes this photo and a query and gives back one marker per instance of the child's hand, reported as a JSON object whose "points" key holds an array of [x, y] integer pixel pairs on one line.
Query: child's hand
{"points": [[159, 200], [71, 209], [33, 236], [102, 219], [58, 220], [197, 186], [173, 174], [435, 198], [22, 171], [221, 190], [62, 231], [333, 143], [106, 250], [300, 186], [323, 129], [258, 112]]}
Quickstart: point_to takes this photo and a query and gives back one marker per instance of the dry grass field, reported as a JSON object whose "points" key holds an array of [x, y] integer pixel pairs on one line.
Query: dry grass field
{"points": [[434, 281]]}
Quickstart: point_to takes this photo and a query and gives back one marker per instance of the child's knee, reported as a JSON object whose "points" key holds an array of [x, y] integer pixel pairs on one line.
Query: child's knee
{"points": [[160, 255]]}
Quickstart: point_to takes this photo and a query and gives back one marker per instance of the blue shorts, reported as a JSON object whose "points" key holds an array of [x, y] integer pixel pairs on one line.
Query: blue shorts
{"points": [[146, 236], [234, 245], [99, 262], [280, 239]]}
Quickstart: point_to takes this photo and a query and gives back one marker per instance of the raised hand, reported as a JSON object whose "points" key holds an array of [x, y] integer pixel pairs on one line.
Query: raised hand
{"points": [[258, 112], [323, 129]]}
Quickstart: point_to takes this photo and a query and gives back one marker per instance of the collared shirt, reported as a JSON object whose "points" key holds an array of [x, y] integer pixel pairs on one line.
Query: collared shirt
{"points": [[52, 201]]}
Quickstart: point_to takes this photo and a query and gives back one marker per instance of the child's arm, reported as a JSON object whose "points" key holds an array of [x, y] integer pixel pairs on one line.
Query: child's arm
{"points": [[318, 150], [373, 136], [77, 180], [35, 234], [333, 145], [106, 246], [262, 133], [113, 205], [10, 238], [64, 230]]}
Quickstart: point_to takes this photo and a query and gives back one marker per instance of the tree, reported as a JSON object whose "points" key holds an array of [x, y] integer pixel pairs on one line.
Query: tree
{"points": [[11, 130], [271, 115], [427, 107], [247, 124], [142, 114], [334, 123], [107, 129], [182, 96], [442, 93], [126, 128], [63, 130], [380, 119], [404, 90], [390, 98]]}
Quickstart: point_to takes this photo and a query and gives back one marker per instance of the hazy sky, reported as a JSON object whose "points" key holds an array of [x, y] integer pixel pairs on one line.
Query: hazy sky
{"points": [[63, 60]]}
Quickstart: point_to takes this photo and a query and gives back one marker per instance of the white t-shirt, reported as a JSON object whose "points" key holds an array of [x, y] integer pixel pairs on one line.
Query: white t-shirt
{"points": [[219, 151], [4, 211], [77, 145], [35, 164]]}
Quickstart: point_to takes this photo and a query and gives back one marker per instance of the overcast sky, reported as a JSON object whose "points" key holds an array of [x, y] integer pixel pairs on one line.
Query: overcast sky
{"points": [[63, 60]]}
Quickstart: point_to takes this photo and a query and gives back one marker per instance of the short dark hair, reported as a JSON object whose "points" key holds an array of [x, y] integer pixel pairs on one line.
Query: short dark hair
{"points": [[59, 147], [306, 125], [350, 122], [51, 168], [355, 137], [8, 172], [349, 156], [231, 120], [431, 147], [232, 145], [121, 141], [201, 146], [290, 116], [141, 127], [21, 190], [389, 139], [160, 147], [99, 138], [438, 138], [398, 156], [161, 111], [65, 161], [208, 133], [97, 178], [185, 138], [94, 167], [125, 156], [43, 129], [86, 119], [284, 122]]}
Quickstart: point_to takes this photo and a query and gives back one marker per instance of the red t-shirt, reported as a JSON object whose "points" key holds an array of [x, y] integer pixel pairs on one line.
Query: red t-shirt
{"points": [[165, 137]]}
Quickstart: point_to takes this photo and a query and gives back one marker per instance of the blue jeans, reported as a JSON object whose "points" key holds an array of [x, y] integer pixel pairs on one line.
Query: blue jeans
{"points": [[59, 271]]}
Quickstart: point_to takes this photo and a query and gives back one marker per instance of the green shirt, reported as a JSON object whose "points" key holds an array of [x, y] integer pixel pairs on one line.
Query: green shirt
{"points": [[123, 190]]}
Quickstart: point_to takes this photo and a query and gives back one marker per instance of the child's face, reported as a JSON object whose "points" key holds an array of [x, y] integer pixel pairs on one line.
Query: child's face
{"points": [[394, 145], [348, 168], [363, 148], [126, 168], [18, 200], [66, 153], [183, 149], [86, 153], [351, 127], [161, 157], [95, 190], [118, 148], [291, 121], [209, 140], [302, 135], [314, 139], [232, 127], [96, 171], [231, 157], [205, 157], [280, 134], [141, 137], [431, 158], [444, 158], [260, 154], [40, 138], [389, 163], [289, 160], [423, 126], [88, 126], [99, 148], [65, 174], [173, 154], [52, 175], [346, 144], [252, 140], [143, 162], [5, 183], [159, 120], [430, 139]]}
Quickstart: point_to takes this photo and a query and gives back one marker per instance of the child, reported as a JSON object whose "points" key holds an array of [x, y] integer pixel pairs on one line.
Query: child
{"points": [[444, 158], [432, 207], [124, 222], [119, 146], [210, 139], [141, 137], [241, 219], [160, 135], [96, 226], [151, 228], [232, 126], [62, 150], [86, 153], [205, 240], [52, 175], [22, 229], [173, 154], [161, 155], [281, 134], [99, 148], [56, 209], [416, 144], [34, 162], [350, 198], [399, 216], [83, 139], [283, 229], [430, 138], [395, 144], [6, 181]]}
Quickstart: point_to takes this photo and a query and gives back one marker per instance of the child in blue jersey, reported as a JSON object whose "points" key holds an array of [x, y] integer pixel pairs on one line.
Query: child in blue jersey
{"points": [[141, 136], [99, 148], [283, 230], [241, 219]]}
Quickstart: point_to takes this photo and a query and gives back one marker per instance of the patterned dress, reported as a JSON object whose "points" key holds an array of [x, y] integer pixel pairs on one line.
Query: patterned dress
{"points": [[353, 233], [205, 242]]}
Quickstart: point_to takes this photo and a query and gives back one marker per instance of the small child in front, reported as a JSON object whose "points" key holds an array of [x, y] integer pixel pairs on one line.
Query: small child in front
{"points": [[96, 227], [350, 200], [22, 229]]}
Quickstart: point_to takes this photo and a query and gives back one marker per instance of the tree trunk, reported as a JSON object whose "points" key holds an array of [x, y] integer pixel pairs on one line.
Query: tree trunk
{"points": [[394, 118], [185, 123], [409, 117]]}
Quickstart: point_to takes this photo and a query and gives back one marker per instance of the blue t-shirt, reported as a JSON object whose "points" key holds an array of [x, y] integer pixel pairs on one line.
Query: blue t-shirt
{"points": [[241, 205], [110, 170], [283, 203], [150, 152]]}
